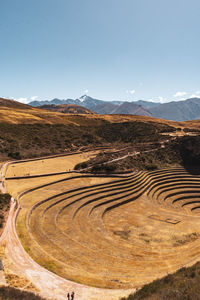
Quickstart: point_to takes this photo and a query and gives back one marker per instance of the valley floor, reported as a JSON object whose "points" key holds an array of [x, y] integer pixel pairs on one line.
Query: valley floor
{"points": [[20, 264], [101, 236]]}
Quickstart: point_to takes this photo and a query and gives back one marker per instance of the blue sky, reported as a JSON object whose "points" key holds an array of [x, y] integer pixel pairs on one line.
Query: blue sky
{"points": [[109, 49]]}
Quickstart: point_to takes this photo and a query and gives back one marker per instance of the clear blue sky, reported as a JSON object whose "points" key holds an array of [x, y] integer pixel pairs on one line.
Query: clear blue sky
{"points": [[110, 49]]}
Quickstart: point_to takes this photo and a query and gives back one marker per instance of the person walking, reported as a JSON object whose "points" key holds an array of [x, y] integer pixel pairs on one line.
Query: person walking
{"points": [[68, 296], [72, 296]]}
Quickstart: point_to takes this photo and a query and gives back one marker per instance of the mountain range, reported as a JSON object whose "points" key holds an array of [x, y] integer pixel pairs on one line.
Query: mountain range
{"points": [[188, 109]]}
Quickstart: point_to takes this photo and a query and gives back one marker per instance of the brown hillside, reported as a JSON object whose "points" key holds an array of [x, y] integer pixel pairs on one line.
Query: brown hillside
{"points": [[29, 132], [67, 109], [18, 113], [13, 104]]}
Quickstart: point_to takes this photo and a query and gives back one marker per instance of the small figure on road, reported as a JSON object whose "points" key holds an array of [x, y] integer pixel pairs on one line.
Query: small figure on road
{"points": [[72, 296], [68, 296]]}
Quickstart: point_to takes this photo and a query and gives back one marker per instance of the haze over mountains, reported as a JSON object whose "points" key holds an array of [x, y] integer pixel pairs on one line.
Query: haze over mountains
{"points": [[176, 110]]}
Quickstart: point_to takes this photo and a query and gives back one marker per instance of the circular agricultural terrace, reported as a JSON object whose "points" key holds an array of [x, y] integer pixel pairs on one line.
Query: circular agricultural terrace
{"points": [[112, 232]]}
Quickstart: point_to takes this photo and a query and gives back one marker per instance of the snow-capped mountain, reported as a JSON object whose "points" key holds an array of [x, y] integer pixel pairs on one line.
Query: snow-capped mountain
{"points": [[188, 109], [100, 106], [84, 100]]}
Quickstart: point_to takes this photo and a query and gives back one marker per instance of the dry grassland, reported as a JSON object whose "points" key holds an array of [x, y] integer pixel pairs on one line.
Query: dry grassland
{"points": [[14, 188], [35, 115], [46, 166], [109, 232]]}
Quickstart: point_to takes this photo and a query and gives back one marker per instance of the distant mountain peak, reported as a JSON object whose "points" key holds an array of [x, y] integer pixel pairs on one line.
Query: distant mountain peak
{"points": [[82, 98]]}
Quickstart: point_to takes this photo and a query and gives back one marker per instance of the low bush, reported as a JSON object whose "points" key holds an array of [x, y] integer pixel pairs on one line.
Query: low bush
{"points": [[79, 166], [15, 155], [4, 200], [10, 293], [103, 168], [151, 167], [4, 205], [182, 285]]}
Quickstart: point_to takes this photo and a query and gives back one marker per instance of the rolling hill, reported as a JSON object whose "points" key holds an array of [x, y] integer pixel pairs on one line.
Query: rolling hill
{"points": [[29, 132], [13, 104], [32, 132], [67, 108]]}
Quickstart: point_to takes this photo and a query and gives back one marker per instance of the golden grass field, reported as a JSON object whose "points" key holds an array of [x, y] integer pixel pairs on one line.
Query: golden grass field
{"points": [[31, 115], [105, 231], [51, 165]]}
